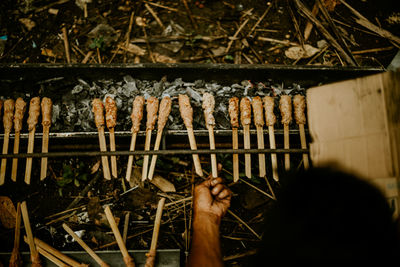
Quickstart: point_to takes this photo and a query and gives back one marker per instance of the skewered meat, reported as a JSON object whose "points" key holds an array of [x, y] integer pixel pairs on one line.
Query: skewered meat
{"points": [[258, 111], [8, 114], [234, 111], [34, 112], [163, 113], [245, 111], [98, 110], [299, 104], [186, 110], [111, 112], [151, 109], [137, 113], [269, 110], [208, 106], [47, 109], [285, 105], [20, 107]]}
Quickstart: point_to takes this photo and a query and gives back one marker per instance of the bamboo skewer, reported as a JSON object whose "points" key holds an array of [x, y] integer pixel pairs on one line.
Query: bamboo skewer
{"points": [[270, 119], [20, 107], [164, 111], [111, 121], [28, 169], [34, 253], [234, 116], [136, 116], [151, 256], [34, 111], [299, 107], [285, 105], [259, 123], [127, 258], [84, 246], [15, 160], [187, 115], [7, 122], [245, 118], [98, 110], [151, 108], [48, 255], [15, 259], [47, 108], [208, 106]]}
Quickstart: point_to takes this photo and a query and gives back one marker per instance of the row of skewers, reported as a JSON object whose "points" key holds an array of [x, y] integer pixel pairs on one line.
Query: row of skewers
{"points": [[37, 246], [258, 105], [13, 115]]}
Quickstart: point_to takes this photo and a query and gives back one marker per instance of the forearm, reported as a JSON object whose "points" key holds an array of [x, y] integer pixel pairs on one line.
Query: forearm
{"points": [[206, 248]]}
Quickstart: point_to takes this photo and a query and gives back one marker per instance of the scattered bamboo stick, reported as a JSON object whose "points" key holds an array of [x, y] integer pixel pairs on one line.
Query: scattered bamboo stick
{"points": [[8, 123], [151, 256], [208, 106], [299, 104], [245, 119], [127, 258], [285, 106], [234, 116], [309, 25], [34, 111], [154, 14], [259, 123], [111, 121], [187, 115], [136, 116], [20, 107], [47, 109], [66, 44], [84, 246], [98, 110], [126, 225], [245, 224], [270, 118], [235, 35], [15, 259], [165, 109], [151, 108], [35, 259]]}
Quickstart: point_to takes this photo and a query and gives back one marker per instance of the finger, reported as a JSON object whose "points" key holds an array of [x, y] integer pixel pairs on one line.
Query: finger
{"points": [[224, 194], [216, 181], [217, 189]]}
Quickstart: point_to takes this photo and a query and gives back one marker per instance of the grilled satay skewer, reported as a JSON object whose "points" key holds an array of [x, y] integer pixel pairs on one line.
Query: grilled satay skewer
{"points": [[299, 104], [20, 107], [270, 118], [208, 107], [8, 123], [34, 112], [136, 116], [127, 258], [187, 115], [47, 110], [151, 255], [151, 109], [245, 119], [285, 105], [163, 113], [15, 259], [234, 116], [259, 123], [84, 246], [35, 259], [98, 110], [111, 121]]}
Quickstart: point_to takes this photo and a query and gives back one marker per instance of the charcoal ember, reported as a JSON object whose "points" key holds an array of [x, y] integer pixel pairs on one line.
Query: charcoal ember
{"points": [[194, 95], [214, 87], [199, 83]]}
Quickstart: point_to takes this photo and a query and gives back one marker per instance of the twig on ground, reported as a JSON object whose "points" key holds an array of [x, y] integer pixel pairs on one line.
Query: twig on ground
{"points": [[154, 14], [245, 224], [259, 20], [236, 34], [66, 44], [189, 13]]}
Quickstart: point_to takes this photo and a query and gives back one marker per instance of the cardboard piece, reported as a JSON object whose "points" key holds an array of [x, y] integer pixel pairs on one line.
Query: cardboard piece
{"points": [[356, 124]]}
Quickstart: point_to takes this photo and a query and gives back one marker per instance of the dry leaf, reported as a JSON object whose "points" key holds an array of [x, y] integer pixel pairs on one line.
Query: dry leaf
{"points": [[163, 184], [28, 23], [297, 52], [95, 167], [7, 212], [136, 50], [163, 59]]}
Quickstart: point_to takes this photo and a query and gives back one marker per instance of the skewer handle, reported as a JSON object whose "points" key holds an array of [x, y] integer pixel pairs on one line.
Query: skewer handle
{"points": [[28, 230], [15, 160], [45, 149], [247, 157], [84, 246], [4, 160], [235, 145], [272, 144], [286, 145], [28, 169], [104, 159], [193, 146], [49, 256], [114, 170], [146, 157], [130, 158], [153, 247], [214, 169], [154, 157], [260, 145], [17, 227], [304, 146]]}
